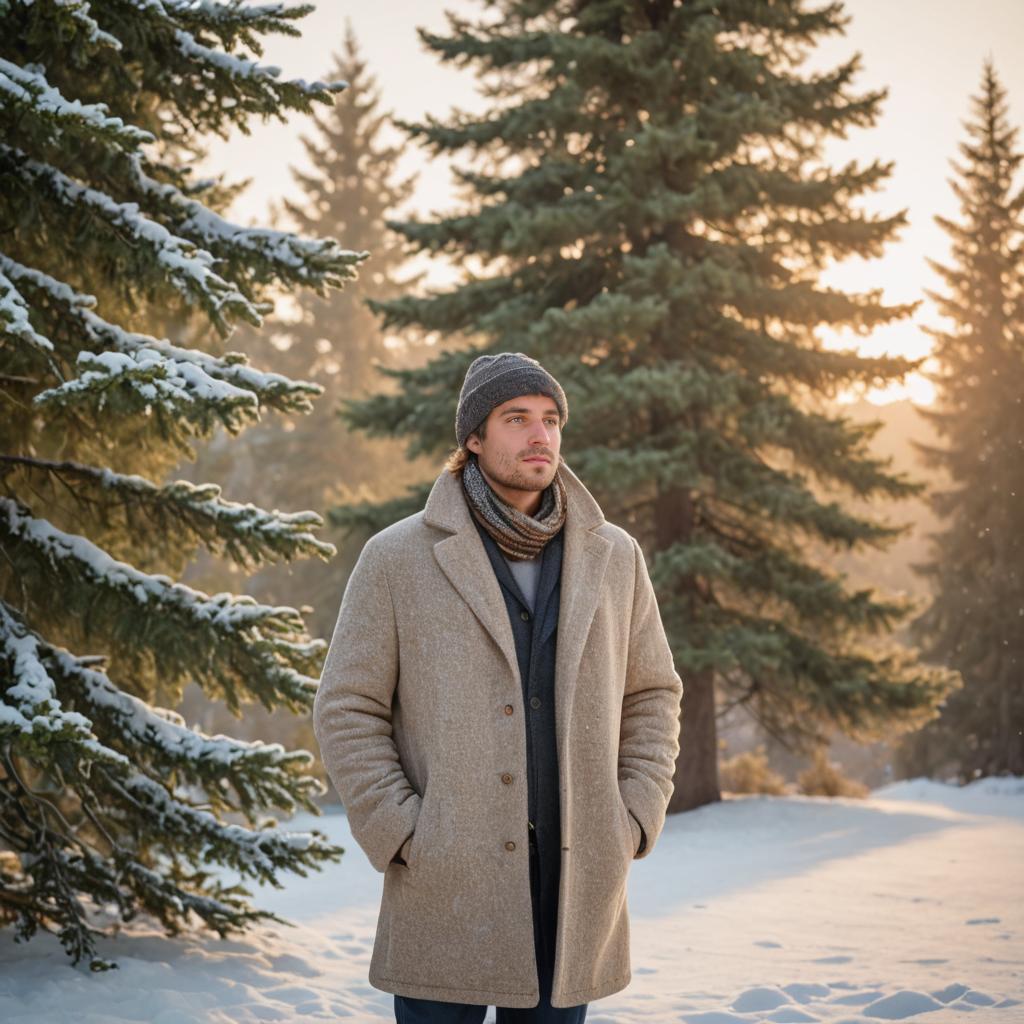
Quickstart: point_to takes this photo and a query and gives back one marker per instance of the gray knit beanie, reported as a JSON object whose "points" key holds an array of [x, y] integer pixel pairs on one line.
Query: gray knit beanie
{"points": [[491, 380]]}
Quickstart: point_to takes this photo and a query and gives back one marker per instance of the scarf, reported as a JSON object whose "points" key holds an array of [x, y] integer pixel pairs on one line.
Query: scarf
{"points": [[518, 535]]}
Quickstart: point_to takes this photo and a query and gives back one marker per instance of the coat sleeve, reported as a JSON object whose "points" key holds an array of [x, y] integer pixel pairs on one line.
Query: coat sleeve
{"points": [[352, 714], [649, 733]]}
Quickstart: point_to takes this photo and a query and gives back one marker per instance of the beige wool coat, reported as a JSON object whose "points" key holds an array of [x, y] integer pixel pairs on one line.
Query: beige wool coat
{"points": [[419, 719]]}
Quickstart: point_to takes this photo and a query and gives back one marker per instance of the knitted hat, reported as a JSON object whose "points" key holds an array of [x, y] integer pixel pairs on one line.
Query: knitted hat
{"points": [[491, 380]]}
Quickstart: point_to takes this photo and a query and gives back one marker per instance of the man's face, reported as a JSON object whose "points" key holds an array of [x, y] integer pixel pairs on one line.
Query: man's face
{"points": [[520, 449]]}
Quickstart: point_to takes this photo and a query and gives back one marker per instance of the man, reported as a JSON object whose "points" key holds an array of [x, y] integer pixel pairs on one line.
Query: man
{"points": [[499, 712]]}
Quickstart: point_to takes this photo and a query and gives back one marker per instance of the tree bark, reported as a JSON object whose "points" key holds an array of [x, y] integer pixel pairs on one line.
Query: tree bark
{"points": [[696, 774], [696, 771]]}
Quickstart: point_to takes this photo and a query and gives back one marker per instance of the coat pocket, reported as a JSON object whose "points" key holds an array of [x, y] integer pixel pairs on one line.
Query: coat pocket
{"points": [[627, 829], [426, 826]]}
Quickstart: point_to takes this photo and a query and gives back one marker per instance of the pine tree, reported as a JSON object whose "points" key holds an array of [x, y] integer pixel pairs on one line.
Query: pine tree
{"points": [[648, 214], [975, 622], [353, 187], [107, 800]]}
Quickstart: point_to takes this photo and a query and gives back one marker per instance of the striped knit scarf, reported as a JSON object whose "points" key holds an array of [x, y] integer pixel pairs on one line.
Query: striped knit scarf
{"points": [[518, 535]]}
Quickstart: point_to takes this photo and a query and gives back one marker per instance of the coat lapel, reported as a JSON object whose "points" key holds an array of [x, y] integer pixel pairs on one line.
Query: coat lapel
{"points": [[585, 555], [550, 575], [462, 559]]}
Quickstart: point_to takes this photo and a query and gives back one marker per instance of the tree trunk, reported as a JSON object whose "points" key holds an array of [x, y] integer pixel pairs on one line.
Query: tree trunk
{"points": [[1010, 753], [696, 774], [696, 771]]}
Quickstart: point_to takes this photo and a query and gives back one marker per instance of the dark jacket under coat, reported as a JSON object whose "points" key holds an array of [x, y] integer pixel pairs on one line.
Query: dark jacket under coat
{"points": [[534, 632]]}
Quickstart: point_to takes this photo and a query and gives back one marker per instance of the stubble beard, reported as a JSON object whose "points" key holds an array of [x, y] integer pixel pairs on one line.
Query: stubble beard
{"points": [[506, 471]]}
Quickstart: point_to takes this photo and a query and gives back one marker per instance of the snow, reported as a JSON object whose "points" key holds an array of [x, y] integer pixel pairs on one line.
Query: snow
{"points": [[79, 12], [29, 86], [240, 67], [14, 312], [904, 906], [980, 795], [29, 705], [155, 379]]}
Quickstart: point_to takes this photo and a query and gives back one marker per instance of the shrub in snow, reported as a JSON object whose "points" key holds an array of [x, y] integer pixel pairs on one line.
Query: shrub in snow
{"points": [[824, 778], [749, 773]]}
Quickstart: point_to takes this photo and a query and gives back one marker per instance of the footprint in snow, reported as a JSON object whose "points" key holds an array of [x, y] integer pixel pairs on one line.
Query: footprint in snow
{"points": [[858, 998], [759, 1000], [790, 1015], [805, 992], [977, 999], [902, 1004], [950, 992], [792, 1004]]}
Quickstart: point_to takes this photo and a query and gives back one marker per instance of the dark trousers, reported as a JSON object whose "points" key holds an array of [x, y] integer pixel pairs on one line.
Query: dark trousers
{"points": [[544, 894]]}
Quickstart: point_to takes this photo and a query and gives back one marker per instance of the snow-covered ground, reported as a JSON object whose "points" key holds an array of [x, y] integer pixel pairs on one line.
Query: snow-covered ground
{"points": [[907, 905]]}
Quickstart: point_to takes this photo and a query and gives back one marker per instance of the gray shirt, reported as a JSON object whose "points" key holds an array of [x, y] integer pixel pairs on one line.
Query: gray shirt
{"points": [[527, 574]]}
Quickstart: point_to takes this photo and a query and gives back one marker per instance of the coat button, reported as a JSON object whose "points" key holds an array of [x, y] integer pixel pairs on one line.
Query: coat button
{"points": [[510, 845], [535, 702], [508, 709], [507, 779], [525, 616]]}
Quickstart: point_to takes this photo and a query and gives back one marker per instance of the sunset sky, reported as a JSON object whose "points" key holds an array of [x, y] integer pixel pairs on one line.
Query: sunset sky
{"points": [[928, 52]]}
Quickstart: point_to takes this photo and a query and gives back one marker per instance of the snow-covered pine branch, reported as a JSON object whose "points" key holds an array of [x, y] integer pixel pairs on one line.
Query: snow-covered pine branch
{"points": [[72, 20], [317, 262], [236, 644], [28, 88], [258, 853], [181, 263], [221, 907], [197, 513], [28, 701], [259, 773], [14, 315], [194, 378], [233, 17], [145, 383], [219, 84]]}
